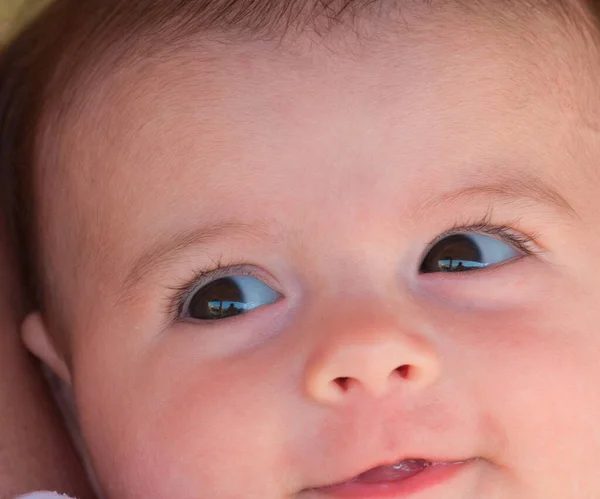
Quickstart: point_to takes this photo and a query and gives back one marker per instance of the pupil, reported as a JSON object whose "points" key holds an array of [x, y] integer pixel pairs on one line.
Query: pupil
{"points": [[218, 300], [456, 253]]}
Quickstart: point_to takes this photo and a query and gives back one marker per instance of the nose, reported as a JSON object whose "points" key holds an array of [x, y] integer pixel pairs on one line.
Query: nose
{"points": [[375, 356]]}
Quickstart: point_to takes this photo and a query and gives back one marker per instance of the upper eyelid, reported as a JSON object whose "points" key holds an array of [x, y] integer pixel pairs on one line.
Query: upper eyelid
{"points": [[220, 270], [204, 277], [239, 269], [490, 231], [485, 225]]}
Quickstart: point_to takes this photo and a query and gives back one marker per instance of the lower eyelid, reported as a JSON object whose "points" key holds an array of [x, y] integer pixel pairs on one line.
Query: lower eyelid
{"points": [[475, 275], [250, 315]]}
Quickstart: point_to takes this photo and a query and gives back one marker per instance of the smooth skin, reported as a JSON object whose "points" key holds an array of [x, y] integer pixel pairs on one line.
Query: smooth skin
{"points": [[325, 169], [35, 453]]}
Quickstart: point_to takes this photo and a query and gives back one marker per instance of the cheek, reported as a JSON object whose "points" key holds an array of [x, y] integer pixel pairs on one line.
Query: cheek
{"points": [[536, 375], [176, 425]]}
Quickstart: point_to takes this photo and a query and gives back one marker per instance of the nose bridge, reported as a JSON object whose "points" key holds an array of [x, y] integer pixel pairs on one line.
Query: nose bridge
{"points": [[367, 349]]}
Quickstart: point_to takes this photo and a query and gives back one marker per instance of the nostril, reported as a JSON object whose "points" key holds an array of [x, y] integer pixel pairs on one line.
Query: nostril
{"points": [[343, 383]]}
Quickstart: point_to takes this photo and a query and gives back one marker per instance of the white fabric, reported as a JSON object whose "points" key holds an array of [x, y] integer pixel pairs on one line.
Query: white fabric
{"points": [[43, 495]]}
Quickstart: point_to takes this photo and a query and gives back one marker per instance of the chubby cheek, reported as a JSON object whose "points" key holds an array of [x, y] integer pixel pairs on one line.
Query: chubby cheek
{"points": [[536, 375], [168, 424]]}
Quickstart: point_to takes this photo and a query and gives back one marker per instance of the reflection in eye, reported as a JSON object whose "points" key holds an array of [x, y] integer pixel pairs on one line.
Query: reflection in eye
{"points": [[228, 297], [466, 252]]}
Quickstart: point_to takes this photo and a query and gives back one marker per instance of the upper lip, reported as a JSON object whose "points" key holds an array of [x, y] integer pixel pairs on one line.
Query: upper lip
{"points": [[430, 460]]}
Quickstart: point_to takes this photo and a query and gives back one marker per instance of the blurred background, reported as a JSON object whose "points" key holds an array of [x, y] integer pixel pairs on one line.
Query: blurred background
{"points": [[14, 13]]}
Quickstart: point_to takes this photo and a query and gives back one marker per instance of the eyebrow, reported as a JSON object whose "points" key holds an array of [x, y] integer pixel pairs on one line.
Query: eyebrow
{"points": [[513, 187], [166, 250]]}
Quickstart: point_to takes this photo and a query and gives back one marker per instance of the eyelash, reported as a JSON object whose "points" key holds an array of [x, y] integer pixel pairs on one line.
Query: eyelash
{"points": [[217, 269], [525, 242]]}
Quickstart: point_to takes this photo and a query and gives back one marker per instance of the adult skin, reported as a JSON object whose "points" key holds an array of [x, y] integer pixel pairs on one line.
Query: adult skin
{"points": [[35, 453]]}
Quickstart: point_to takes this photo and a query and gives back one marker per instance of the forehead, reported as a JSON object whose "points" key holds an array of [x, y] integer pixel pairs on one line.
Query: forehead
{"points": [[241, 132]]}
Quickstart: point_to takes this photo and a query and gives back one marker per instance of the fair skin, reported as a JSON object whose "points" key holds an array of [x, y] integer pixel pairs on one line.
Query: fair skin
{"points": [[35, 452], [326, 175]]}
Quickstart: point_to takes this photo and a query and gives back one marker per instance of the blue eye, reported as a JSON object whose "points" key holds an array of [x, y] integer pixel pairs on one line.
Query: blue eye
{"points": [[228, 297], [466, 252]]}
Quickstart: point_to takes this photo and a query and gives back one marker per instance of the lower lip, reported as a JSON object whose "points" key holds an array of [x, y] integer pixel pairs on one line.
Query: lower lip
{"points": [[431, 476]]}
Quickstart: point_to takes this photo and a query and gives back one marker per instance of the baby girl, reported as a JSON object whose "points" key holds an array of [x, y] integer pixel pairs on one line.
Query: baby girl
{"points": [[239, 221]]}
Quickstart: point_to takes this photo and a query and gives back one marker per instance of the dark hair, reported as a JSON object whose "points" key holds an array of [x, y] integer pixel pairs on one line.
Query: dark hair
{"points": [[73, 38]]}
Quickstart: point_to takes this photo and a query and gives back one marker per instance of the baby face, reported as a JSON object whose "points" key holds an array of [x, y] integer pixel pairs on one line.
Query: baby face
{"points": [[282, 269]]}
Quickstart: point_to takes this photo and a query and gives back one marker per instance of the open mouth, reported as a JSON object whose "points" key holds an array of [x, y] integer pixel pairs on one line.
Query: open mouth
{"points": [[394, 481], [392, 473]]}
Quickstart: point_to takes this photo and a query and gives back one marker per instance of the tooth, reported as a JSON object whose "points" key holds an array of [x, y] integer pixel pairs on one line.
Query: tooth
{"points": [[410, 465]]}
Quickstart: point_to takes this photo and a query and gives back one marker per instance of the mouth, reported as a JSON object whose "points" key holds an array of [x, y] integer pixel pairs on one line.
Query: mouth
{"points": [[394, 481]]}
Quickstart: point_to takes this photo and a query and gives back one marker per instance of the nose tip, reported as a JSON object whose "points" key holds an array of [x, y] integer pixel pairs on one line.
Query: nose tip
{"points": [[375, 368]]}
